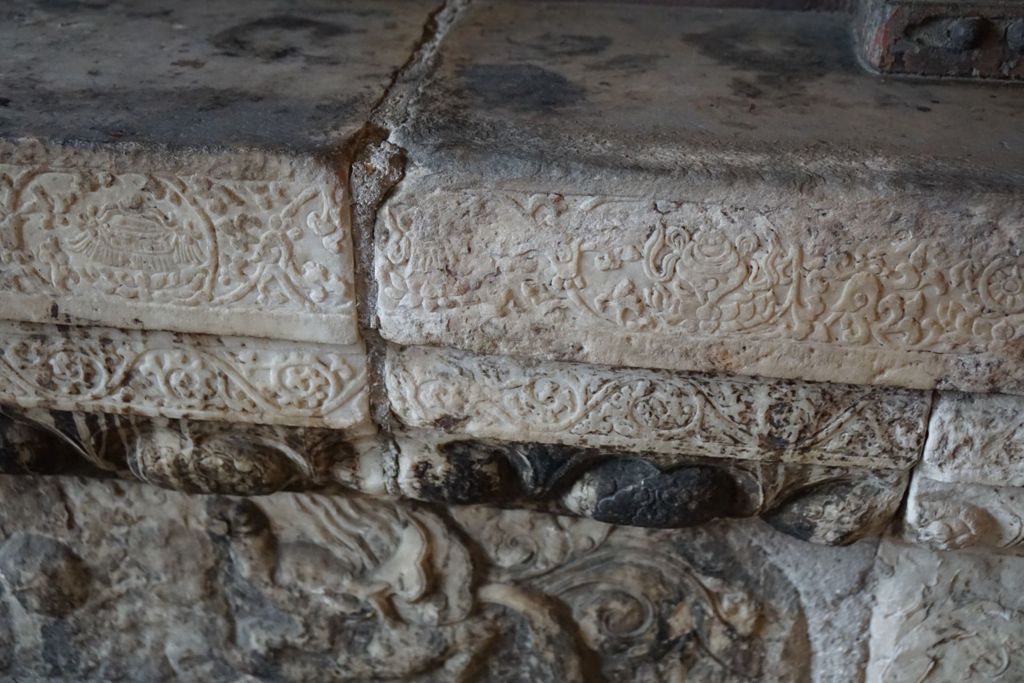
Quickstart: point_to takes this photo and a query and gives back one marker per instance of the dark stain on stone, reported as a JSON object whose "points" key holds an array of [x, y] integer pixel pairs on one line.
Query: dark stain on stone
{"points": [[44, 574], [783, 58], [636, 493], [825, 513], [568, 44], [545, 470], [520, 86], [744, 88], [277, 37], [472, 473]]}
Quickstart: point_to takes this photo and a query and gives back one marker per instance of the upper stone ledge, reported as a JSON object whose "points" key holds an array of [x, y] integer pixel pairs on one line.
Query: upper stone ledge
{"points": [[295, 76], [624, 96], [173, 166], [705, 190]]}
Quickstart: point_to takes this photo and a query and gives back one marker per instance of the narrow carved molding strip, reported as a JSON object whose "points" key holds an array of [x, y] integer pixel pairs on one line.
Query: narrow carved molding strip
{"points": [[182, 251], [178, 375], [655, 411], [865, 291], [976, 438]]}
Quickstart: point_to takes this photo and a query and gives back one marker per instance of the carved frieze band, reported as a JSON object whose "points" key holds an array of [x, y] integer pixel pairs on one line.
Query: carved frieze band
{"points": [[190, 253], [656, 411], [175, 375], [871, 292]]}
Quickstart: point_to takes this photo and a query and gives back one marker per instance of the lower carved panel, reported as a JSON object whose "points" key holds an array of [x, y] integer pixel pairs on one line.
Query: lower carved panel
{"points": [[151, 585], [946, 616]]}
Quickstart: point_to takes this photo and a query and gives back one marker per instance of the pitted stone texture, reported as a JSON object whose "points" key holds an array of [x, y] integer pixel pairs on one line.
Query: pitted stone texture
{"points": [[281, 588], [692, 205], [650, 411], [821, 504], [976, 439], [946, 617], [954, 516], [182, 375]]}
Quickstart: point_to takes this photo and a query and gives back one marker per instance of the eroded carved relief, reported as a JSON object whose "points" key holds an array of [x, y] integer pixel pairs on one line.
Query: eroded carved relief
{"points": [[175, 375], [308, 587], [976, 438], [946, 617], [956, 516], [835, 505], [187, 455], [641, 410], [105, 246], [654, 283]]}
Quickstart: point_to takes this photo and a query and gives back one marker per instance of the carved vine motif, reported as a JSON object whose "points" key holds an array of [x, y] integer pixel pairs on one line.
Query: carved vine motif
{"points": [[182, 240], [177, 375], [708, 271], [649, 410]]}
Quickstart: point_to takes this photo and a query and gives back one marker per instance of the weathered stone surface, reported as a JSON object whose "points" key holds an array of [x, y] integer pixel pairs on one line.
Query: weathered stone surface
{"points": [[976, 439], [766, 209], [268, 73], [954, 516], [191, 456], [649, 411], [193, 179], [946, 617], [305, 587], [180, 375], [833, 505]]}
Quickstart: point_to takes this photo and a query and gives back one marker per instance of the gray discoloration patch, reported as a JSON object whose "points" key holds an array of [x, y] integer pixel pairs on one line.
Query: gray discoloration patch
{"points": [[569, 45], [44, 575], [471, 473], [280, 37], [519, 86]]}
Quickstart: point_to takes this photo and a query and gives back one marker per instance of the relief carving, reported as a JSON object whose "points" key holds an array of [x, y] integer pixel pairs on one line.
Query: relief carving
{"points": [[959, 516], [946, 617], [643, 410], [172, 242], [174, 375], [640, 274], [976, 439], [310, 587]]}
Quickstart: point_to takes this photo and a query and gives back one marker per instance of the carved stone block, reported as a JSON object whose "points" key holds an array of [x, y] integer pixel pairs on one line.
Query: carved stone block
{"points": [[181, 375], [954, 516], [976, 438], [151, 585], [946, 617], [766, 210], [626, 409]]}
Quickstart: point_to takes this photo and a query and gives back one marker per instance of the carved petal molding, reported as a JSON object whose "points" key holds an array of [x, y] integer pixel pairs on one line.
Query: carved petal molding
{"points": [[178, 375], [192, 253], [645, 410]]}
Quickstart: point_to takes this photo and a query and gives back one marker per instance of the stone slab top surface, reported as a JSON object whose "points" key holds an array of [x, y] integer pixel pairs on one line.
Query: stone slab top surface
{"points": [[534, 91], [270, 73]]}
